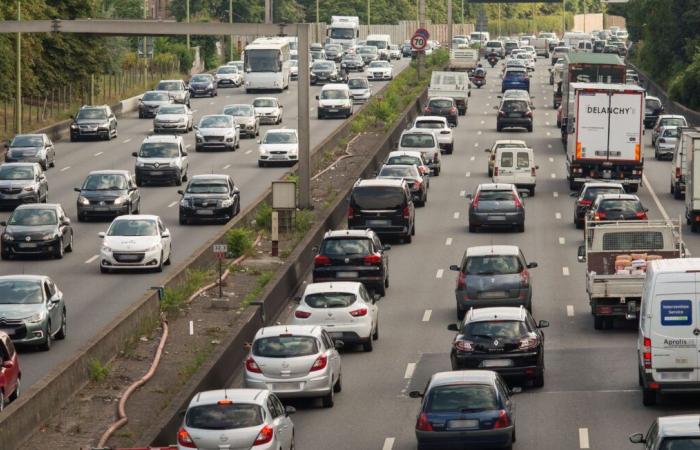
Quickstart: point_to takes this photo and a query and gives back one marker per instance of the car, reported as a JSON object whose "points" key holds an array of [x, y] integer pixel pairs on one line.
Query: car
{"points": [[108, 193], [442, 129], [293, 69], [516, 166], [632, 77], [334, 100], [268, 109], [334, 52], [514, 113], [417, 183], [515, 78], [394, 52], [385, 206], [493, 275], [37, 230], [135, 242], [617, 207], [10, 372], [238, 64], [352, 62], [93, 122], [506, 340], [513, 63], [585, 197], [173, 118], [666, 142], [178, 90], [425, 141], [496, 205], [517, 94], [652, 109], [31, 148], [209, 197], [666, 120], [217, 132], [228, 76], [238, 417], [406, 49], [32, 310], [318, 55], [501, 143], [380, 70], [161, 158], [22, 183], [411, 158], [465, 409], [599, 45], [530, 50], [443, 106], [203, 84], [621, 48], [151, 101], [322, 72], [368, 53], [509, 46], [528, 59], [295, 361], [610, 48], [344, 309], [670, 432], [496, 47], [279, 146], [244, 115], [360, 89]]}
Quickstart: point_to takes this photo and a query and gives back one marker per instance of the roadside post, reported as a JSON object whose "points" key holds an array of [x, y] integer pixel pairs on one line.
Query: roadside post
{"points": [[284, 204], [220, 250], [418, 43]]}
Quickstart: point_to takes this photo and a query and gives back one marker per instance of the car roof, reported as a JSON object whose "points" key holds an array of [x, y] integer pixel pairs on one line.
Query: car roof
{"points": [[38, 206], [330, 86], [31, 135], [347, 233], [463, 377], [136, 217], [256, 396], [651, 97], [677, 426], [431, 118], [495, 186], [209, 176], [19, 164], [510, 141], [671, 116], [282, 130], [162, 138], [441, 98], [413, 153], [266, 98], [591, 184], [170, 81], [483, 250], [497, 313], [414, 130], [617, 197], [300, 330], [23, 277], [380, 182], [333, 286]]}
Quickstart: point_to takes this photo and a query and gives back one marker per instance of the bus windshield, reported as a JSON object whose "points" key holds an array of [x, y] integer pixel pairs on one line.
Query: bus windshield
{"points": [[262, 60]]}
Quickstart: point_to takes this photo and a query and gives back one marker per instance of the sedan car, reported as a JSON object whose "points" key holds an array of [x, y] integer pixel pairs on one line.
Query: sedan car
{"points": [[506, 340], [652, 109], [666, 142], [493, 275], [244, 115], [37, 230], [514, 114], [368, 53], [444, 107], [334, 52], [238, 417], [31, 148], [380, 70], [209, 197], [360, 89], [496, 205], [32, 310], [666, 120], [108, 193], [151, 101], [295, 361], [588, 194], [203, 85], [93, 122], [22, 183], [442, 129], [135, 242], [268, 109], [617, 207], [228, 76], [217, 132], [417, 183], [352, 62], [10, 372], [177, 89], [173, 118], [278, 146], [344, 309]]}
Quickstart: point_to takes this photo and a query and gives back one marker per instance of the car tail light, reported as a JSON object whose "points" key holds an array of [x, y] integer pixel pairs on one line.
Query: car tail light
{"points": [[351, 212], [453, 110], [321, 260], [585, 202], [302, 314], [475, 202], [252, 366], [678, 172], [406, 212], [184, 439], [372, 260], [647, 353], [662, 141], [359, 312], [524, 278], [423, 424], [516, 200], [528, 114], [599, 216], [641, 215], [463, 346], [417, 184], [503, 420], [461, 281], [529, 343], [320, 363], [264, 436]]}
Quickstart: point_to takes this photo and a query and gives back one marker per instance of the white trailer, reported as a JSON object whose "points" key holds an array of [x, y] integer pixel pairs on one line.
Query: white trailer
{"points": [[691, 142]]}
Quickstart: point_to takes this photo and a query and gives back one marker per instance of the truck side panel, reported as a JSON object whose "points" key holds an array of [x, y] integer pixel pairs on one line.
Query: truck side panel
{"points": [[626, 116], [592, 126]]}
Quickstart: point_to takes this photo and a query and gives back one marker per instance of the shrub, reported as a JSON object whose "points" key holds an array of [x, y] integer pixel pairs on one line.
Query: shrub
{"points": [[97, 370], [303, 221], [263, 217], [240, 241]]}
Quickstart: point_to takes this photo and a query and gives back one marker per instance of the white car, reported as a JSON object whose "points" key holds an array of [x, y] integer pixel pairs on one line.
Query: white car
{"points": [[217, 132], [238, 65], [269, 110], [441, 128], [278, 146], [334, 100], [380, 70], [529, 49], [527, 59], [394, 52], [228, 76], [173, 118], [344, 309], [135, 242], [425, 142], [360, 89], [294, 69]]}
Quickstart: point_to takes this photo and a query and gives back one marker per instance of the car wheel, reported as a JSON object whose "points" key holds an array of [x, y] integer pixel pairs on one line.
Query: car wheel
{"points": [[368, 346], [656, 154], [338, 386], [4, 254], [168, 261], [44, 165], [159, 268], [183, 221], [178, 180], [59, 250], [328, 400], [521, 228], [640, 380], [532, 191], [579, 224], [375, 335], [69, 247], [185, 177], [63, 332], [460, 313], [473, 228], [649, 397], [598, 322], [103, 269], [529, 129], [139, 182], [46, 345], [2, 401], [538, 381], [18, 390], [261, 164], [138, 208]]}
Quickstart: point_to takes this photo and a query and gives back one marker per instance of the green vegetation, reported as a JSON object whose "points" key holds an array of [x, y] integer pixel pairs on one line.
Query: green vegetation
{"points": [[174, 298], [199, 356], [263, 217], [97, 371], [260, 283], [240, 241]]}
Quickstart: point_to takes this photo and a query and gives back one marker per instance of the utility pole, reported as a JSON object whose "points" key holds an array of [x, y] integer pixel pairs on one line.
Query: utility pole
{"points": [[303, 123], [230, 20], [463, 15], [145, 49], [563, 18], [369, 19], [18, 93], [318, 23], [187, 14], [421, 24], [268, 18], [449, 24], [499, 19]]}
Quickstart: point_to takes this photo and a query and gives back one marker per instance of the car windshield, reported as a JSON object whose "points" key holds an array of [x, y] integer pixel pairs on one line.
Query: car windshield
{"points": [[176, 109], [280, 138], [264, 103], [621, 205], [593, 192], [671, 132], [133, 227], [379, 64], [224, 416], [680, 443], [227, 70], [285, 346], [208, 187], [316, 54], [200, 79], [323, 65], [169, 86], [92, 114], [216, 122], [239, 110], [333, 47], [494, 44], [378, 197], [378, 44], [33, 217], [334, 94], [493, 265], [16, 173], [440, 103], [105, 182], [462, 398], [404, 160], [652, 104], [506, 329], [159, 150], [398, 172], [417, 141], [346, 247], [673, 122], [358, 83], [330, 300], [156, 97], [368, 50], [27, 141], [433, 124], [20, 292]]}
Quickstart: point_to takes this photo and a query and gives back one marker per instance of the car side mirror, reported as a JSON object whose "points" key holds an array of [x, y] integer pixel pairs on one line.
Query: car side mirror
{"points": [[455, 268], [65, 221], [637, 438], [573, 194], [469, 196], [289, 410], [165, 234], [101, 234], [453, 327], [338, 344], [8, 365], [487, 150], [543, 324], [134, 154], [196, 127], [531, 265], [581, 256], [415, 394]]}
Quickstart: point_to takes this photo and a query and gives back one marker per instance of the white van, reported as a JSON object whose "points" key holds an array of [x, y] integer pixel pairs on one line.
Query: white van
{"points": [[382, 42], [334, 100], [516, 166], [585, 46], [669, 328]]}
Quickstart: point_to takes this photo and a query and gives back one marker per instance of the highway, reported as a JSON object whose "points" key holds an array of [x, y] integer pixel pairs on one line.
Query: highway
{"points": [[590, 399], [94, 299]]}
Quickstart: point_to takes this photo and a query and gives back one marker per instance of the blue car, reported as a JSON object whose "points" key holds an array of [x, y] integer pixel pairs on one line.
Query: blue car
{"points": [[515, 78]]}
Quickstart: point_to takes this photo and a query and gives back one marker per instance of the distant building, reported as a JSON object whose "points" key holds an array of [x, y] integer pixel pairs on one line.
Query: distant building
{"points": [[159, 9]]}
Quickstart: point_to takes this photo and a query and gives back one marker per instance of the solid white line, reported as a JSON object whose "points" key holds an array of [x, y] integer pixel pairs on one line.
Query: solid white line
{"points": [[439, 273], [388, 443], [426, 315], [462, 193], [565, 271], [448, 241], [456, 215], [65, 168], [482, 122], [98, 153], [468, 174], [653, 196], [410, 367], [126, 141], [227, 166], [92, 258], [562, 240], [191, 327], [172, 204], [249, 152], [583, 438], [557, 215], [570, 310], [546, 123], [488, 104]]}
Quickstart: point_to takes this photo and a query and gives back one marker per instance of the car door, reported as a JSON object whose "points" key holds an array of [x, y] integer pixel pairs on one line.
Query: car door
{"points": [[380, 248], [52, 307], [8, 377], [283, 424], [165, 239], [523, 168], [504, 168]]}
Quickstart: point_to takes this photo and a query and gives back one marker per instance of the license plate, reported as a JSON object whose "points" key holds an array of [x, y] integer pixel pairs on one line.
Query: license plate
{"points": [[472, 423], [607, 174], [285, 387], [347, 274], [332, 110], [497, 363], [493, 294], [8, 331], [674, 375], [101, 209], [378, 223], [27, 245], [156, 172], [514, 115], [497, 218], [205, 212], [129, 257]]}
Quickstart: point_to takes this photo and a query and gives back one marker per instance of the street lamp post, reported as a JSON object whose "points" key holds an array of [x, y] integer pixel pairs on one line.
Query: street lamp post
{"points": [[369, 20], [230, 20], [18, 94], [187, 14]]}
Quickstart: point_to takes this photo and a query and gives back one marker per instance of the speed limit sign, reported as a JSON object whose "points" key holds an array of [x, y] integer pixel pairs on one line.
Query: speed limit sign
{"points": [[418, 42]]}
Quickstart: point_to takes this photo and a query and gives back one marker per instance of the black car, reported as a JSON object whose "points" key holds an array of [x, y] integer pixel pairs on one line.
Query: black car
{"points": [[588, 194], [385, 206], [513, 113], [93, 122], [653, 108], [617, 207], [203, 85], [506, 340], [37, 230], [406, 49], [334, 52], [511, 45], [209, 197], [353, 255], [106, 194], [417, 183], [323, 72], [352, 62], [151, 102], [31, 148], [444, 107]]}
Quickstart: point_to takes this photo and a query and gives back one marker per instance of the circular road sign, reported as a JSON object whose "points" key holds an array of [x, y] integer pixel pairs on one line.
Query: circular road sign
{"points": [[418, 42], [423, 32]]}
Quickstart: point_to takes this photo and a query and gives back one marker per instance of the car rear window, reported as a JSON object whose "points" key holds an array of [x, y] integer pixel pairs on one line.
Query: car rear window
{"points": [[417, 141], [440, 103], [495, 196], [224, 416], [398, 172], [346, 247], [475, 397], [330, 300], [619, 205], [378, 197], [433, 124], [515, 75], [506, 329], [403, 160], [680, 443], [285, 346], [673, 122], [515, 106], [593, 192], [671, 132], [652, 104], [493, 265]]}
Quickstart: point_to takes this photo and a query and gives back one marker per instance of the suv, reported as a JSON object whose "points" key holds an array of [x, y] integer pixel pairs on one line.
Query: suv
{"points": [[667, 433], [217, 132], [323, 71], [514, 113], [93, 122], [506, 340], [587, 195], [652, 109], [178, 90], [424, 141], [385, 206], [10, 373], [493, 275], [353, 255], [161, 159], [496, 47]]}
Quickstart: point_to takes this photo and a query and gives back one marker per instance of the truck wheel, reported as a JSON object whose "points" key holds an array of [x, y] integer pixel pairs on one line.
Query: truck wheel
{"points": [[677, 194], [572, 185], [649, 397]]}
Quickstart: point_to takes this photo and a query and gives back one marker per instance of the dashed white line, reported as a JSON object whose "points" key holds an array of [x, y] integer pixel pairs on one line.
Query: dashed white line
{"points": [[98, 153], [549, 134], [248, 152], [65, 168], [482, 122], [456, 215], [388, 443], [565, 271], [472, 158], [410, 368], [191, 327], [194, 110], [448, 241], [468, 174], [91, 259], [476, 144], [546, 123], [549, 145], [554, 175], [562, 240], [583, 438], [570, 310], [126, 141], [427, 314], [462, 193], [551, 159], [227, 166], [172, 204], [557, 216], [555, 194], [211, 103], [546, 114], [478, 133], [188, 145], [439, 273]]}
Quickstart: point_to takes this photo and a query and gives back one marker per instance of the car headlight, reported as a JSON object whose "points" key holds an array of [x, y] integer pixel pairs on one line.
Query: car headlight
{"points": [[8, 237], [120, 200], [154, 248], [211, 86], [262, 151], [29, 188], [106, 249], [226, 203], [185, 202], [140, 164], [36, 318], [182, 120], [83, 201], [48, 236]]}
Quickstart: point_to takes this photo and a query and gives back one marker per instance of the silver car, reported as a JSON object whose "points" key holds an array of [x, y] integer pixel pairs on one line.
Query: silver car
{"points": [[666, 142], [244, 115], [22, 183], [217, 132], [360, 89], [295, 361], [151, 102], [173, 118], [178, 90], [237, 419], [31, 148]]}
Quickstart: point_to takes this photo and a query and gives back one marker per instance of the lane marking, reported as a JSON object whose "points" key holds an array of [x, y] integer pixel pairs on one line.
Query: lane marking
{"points": [[482, 122], [583, 438], [191, 327], [227, 166], [98, 153], [410, 367], [555, 194], [472, 158], [476, 144], [549, 145], [478, 132], [549, 134], [388, 443], [188, 145], [65, 168], [126, 141], [570, 310], [562, 240], [468, 174], [654, 197], [448, 241], [557, 216], [462, 193], [249, 152], [172, 204], [456, 215], [546, 114], [551, 159], [546, 123], [439, 273], [211, 103], [91, 259], [565, 271], [427, 314], [554, 175], [485, 113]]}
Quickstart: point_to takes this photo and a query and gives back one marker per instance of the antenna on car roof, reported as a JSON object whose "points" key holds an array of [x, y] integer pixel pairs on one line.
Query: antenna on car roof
{"points": [[225, 396]]}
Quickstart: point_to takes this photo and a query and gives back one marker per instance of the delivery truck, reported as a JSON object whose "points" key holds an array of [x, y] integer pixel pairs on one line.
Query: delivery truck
{"points": [[451, 84], [605, 134], [344, 30], [691, 144]]}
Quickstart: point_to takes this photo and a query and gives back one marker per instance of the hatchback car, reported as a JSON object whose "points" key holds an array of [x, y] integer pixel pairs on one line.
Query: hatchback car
{"points": [[493, 275], [31, 148], [670, 433], [506, 340], [108, 193], [135, 242], [37, 230], [334, 52], [666, 120], [617, 207], [178, 90], [93, 122], [151, 101], [587, 195], [652, 109], [380, 70], [295, 361], [352, 63], [496, 205], [161, 159], [173, 118], [278, 146], [244, 115], [209, 197], [443, 106], [515, 78], [22, 183], [360, 89], [368, 53], [424, 141], [666, 142], [32, 310], [385, 206], [501, 143], [344, 309], [514, 114], [10, 372], [417, 183], [465, 409], [203, 84], [442, 129], [268, 109], [217, 132], [323, 72], [239, 418], [334, 100], [228, 76]]}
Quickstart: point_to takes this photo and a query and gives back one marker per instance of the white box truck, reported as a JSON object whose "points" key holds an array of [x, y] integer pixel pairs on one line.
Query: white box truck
{"points": [[541, 46], [344, 30], [451, 84], [382, 42], [605, 134], [691, 143], [463, 59]]}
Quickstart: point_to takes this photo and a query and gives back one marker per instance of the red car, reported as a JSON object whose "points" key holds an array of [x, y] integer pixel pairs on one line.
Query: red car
{"points": [[10, 374]]}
